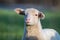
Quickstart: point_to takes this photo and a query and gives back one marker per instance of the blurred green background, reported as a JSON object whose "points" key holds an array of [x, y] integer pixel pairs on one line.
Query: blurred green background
{"points": [[12, 24]]}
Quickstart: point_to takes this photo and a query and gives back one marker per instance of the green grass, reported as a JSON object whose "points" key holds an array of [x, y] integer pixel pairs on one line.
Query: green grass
{"points": [[12, 24]]}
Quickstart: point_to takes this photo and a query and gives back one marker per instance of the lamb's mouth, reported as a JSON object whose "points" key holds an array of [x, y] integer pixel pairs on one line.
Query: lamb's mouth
{"points": [[28, 24]]}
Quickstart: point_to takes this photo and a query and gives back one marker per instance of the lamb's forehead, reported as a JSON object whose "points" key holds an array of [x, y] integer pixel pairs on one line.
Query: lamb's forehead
{"points": [[31, 11]]}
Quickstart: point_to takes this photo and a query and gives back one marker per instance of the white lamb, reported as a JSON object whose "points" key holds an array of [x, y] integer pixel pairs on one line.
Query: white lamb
{"points": [[32, 26]]}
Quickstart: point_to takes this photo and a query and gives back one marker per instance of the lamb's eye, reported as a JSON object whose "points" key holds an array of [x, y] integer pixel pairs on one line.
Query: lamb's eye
{"points": [[36, 15]]}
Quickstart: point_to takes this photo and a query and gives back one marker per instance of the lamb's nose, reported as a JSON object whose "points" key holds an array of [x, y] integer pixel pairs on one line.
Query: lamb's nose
{"points": [[27, 19]]}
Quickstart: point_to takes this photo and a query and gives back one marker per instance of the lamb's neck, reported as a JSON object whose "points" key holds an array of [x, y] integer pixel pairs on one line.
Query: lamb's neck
{"points": [[34, 31], [39, 25]]}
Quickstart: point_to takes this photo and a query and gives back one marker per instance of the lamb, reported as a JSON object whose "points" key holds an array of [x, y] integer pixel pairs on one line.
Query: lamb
{"points": [[32, 26]]}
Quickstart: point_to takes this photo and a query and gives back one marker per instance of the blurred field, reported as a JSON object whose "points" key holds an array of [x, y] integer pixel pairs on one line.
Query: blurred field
{"points": [[12, 24]]}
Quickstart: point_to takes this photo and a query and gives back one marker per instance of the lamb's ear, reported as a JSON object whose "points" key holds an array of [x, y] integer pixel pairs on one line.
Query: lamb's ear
{"points": [[41, 15], [19, 11]]}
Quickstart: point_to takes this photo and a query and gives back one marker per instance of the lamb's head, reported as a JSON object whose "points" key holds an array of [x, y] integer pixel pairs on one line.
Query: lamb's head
{"points": [[32, 15]]}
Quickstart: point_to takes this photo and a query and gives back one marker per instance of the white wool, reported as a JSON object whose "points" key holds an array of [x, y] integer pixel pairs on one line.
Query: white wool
{"points": [[48, 34], [30, 9], [51, 34]]}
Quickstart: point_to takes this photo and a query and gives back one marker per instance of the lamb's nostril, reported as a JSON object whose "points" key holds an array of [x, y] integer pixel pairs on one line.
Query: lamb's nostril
{"points": [[28, 20]]}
